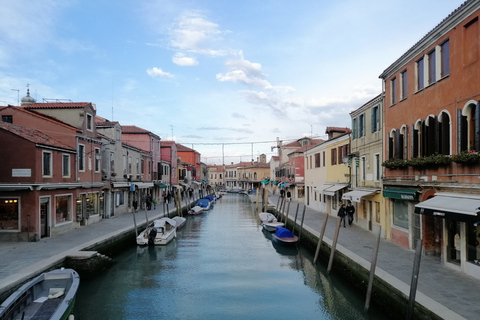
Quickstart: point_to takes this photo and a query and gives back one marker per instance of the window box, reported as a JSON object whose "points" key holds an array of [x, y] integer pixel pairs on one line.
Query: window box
{"points": [[467, 158]]}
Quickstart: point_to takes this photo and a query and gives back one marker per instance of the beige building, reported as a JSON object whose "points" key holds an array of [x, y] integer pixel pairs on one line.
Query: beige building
{"points": [[216, 176], [365, 163], [326, 173]]}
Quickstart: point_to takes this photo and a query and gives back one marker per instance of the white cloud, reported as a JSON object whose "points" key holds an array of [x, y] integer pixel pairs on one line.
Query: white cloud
{"points": [[181, 60], [193, 33], [249, 73], [157, 72]]}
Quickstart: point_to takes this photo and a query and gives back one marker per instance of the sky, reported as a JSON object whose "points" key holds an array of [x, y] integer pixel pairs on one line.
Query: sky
{"points": [[224, 77]]}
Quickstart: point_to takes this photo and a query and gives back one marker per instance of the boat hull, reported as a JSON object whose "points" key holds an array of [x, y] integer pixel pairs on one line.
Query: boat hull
{"points": [[51, 295], [285, 241], [272, 226]]}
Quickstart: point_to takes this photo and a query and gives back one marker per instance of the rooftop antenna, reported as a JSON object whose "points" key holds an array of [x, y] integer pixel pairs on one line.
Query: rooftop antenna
{"points": [[172, 130]]}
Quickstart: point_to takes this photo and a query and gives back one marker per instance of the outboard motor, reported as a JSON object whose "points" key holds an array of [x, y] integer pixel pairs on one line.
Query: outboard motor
{"points": [[151, 236]]}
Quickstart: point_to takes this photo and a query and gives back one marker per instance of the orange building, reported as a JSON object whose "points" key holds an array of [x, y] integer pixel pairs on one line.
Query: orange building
{"points": [[432, 136]]}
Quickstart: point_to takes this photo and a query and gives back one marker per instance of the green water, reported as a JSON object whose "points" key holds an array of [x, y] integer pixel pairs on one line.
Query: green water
{"points": [[222, 265]]}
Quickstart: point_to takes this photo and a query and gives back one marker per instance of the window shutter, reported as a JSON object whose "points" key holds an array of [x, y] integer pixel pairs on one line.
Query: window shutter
{"points": [[354, 129], [423, 142], [412, 144], [372, 120], [477, 127], [397, 144]]}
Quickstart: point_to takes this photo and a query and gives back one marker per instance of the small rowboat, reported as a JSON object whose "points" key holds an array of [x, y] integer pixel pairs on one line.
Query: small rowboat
{"points": [[50, 296]]}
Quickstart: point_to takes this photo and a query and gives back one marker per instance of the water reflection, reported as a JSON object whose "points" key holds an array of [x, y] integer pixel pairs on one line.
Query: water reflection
{"points": [[221, 265]]}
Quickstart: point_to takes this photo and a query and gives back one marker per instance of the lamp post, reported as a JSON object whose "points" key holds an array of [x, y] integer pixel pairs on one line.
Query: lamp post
{"points": [[18, 96]]}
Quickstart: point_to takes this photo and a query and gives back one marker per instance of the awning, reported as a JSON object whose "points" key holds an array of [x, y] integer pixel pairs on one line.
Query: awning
{"points": [[265, 181], [161, 185], [452, 206], [286, 185], [275, 182], [13, 187], [121, 184], [196, 182], [334, 188], [144, 185], [53, 186], [400, 194], [177, 186], [356, 195]]}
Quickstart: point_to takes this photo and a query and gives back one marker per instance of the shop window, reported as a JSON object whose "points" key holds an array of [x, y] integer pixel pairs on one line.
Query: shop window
{"points": [[63, 208], [9, 214], [473, 243], [454, 242], [400, 213]]}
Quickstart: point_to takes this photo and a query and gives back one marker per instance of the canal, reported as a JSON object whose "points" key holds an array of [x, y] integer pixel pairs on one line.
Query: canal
{"points": [[222, 265]]}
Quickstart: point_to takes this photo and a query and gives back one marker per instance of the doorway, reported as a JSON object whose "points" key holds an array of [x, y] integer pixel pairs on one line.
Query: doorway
{"points": [[44, 214]]}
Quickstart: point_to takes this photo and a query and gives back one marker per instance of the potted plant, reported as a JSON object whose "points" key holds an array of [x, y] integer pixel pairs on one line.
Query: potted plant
{"points": [[466, 157]]}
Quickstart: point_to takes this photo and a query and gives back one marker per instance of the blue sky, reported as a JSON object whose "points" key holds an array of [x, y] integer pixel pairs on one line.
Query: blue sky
{"points": [[207, 73]]}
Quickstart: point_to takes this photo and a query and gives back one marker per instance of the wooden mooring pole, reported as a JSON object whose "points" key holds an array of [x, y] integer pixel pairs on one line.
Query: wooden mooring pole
{"points": [[413, 285], [334, 245], [373, 265], [320, 238], [135, 223], [301, 224], [295, 221]]}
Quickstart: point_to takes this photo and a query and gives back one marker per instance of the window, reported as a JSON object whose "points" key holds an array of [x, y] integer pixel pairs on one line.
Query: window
{"points": [[112, 161], [377, 167], [403, 91], [431, 67], [364, 168], [400, 213], [129, 164], [89, 122], [317, 160], [333, 156], [47, 164], [97, 160], [469, 128], [119, 198], [138, 166], [420, 74], [445, 59], [393, 91], [63, 208], [375, 119], [7, 118], [354, 128], [66, 165], [361, 125], [10, 214], [324, 158], [81, 157]]}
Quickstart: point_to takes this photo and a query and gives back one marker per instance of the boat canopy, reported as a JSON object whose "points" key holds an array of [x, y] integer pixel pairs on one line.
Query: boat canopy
{"points": [[161, 222], [284, 233], [203, 203], [210, 198]]}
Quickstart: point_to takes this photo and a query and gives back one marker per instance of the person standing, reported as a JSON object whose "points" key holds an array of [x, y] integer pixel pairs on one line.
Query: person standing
{"points": [[342, 212], [350, 212]]}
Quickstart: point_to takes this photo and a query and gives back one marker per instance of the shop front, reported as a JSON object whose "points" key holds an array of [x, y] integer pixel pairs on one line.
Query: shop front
{"points": [[461, 228]]}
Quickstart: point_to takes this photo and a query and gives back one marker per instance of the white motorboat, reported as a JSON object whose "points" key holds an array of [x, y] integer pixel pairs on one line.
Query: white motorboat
{"points": [[269, 221], [180, 221], [159, 232]]}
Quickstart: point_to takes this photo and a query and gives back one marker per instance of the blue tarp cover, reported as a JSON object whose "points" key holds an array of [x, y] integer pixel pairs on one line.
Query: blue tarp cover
{"points": [[283, 233], [203, 203], [210, 198]]}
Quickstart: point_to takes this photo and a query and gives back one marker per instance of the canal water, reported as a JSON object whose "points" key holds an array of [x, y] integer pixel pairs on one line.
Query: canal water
{"points": [[222, 265]]}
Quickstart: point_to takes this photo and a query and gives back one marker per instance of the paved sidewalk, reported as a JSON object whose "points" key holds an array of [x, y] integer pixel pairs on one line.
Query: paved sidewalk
{"points": [[449, 293]]}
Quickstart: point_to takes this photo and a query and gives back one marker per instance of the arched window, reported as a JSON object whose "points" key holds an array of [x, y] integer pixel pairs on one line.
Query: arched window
{"points": [[468, 127], [444, 134]]}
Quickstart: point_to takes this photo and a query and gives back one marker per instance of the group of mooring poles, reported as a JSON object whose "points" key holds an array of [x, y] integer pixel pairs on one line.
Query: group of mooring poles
{"points": [[416, 267]]}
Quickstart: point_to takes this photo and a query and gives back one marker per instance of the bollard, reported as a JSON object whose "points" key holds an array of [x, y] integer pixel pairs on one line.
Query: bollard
{"points": [[320, 238]]}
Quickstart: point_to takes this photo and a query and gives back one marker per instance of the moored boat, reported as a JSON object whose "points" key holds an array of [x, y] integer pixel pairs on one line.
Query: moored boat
{"points": [[284, 236], [269, 221], [159, 232], [50, 296], [180, 221]]}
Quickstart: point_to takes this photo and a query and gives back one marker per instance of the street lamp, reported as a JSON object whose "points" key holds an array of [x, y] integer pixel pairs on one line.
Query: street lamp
{"points": [[18, 96]]}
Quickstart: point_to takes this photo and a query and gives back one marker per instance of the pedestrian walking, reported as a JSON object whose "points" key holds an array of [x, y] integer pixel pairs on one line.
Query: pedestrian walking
{"points": [[342, 212], [289, 196], [350, 212]]}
